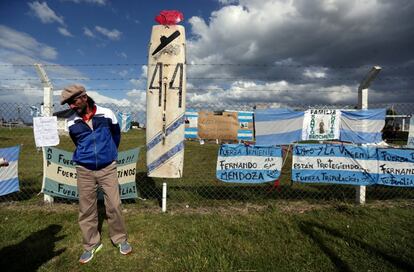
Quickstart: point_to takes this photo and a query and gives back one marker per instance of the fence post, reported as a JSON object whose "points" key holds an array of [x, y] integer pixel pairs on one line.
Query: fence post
{"points": [[363, 104], [47, 105], [164, 197]]}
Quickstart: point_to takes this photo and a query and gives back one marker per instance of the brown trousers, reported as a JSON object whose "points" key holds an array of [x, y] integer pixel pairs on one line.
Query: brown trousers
{"points": [[88, 182]]}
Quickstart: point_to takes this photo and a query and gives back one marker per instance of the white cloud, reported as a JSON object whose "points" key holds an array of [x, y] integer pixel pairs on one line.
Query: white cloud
{"points": [[44, 13], [64, 32], [227, 2], [113, 34], [21, 42], [88, 32], [102, 99], [122, 55], [18, 51], [273, 92], [294, 41], [123, 73], [315, 72], [138, 99], [97, 2]]}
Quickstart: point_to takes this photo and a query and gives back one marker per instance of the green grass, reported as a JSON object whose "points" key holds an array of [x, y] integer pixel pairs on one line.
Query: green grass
{"points": [[210, 226], [338, 238], [198, 187]]}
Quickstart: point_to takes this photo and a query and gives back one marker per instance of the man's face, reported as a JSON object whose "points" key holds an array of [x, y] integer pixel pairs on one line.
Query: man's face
{"points": [[79, 104]]}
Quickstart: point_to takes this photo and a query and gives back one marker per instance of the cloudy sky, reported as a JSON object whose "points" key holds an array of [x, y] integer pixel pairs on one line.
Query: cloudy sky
{"points": [[241, 51]]}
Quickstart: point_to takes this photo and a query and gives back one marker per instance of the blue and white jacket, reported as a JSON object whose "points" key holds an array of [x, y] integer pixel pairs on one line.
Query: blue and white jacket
{"points": [[98, 147]]}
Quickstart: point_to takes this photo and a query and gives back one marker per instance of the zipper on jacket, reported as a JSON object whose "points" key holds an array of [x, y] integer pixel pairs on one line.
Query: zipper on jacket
{"points": [[94, 142]]}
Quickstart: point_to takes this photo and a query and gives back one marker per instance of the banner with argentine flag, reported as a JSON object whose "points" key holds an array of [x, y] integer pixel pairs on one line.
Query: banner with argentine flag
{"points": [[248, 163], [245, 131], [362, 126], [335, 163], [124, 120], [278, 126], [396, 167], [9, 179], [191, 124]]}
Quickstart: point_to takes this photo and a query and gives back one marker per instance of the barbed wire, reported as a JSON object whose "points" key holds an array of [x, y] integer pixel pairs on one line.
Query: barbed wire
{"points": [[298, 66], [219, 78], [215, 89]]}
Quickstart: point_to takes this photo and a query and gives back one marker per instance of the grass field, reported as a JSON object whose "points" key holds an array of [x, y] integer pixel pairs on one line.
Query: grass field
{"points": [[198, 187], [210, 226], [317, 238]]}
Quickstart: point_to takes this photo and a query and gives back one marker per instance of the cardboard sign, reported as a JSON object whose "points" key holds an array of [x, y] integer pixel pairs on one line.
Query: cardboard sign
{"points": [[222, 126]]}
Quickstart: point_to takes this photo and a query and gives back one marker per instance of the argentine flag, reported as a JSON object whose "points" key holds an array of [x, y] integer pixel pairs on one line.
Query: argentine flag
{"points": [[362, 126], [191, 124], [124, 120], [278, 126], [9, 180], [245, 117]]}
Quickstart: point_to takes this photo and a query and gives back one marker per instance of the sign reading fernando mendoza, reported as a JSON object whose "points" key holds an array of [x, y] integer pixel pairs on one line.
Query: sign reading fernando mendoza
{"points": [[248, 163], [59, 173]]}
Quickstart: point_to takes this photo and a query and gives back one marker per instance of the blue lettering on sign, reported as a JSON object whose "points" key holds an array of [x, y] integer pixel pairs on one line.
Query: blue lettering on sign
{"points": [[248, 164]]}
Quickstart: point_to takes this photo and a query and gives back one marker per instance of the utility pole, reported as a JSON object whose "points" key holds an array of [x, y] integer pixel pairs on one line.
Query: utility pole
{"points": [[363, 105], [47, 105]]}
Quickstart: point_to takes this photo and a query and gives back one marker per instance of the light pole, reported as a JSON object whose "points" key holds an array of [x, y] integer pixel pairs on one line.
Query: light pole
{"points": [[363, 105]]}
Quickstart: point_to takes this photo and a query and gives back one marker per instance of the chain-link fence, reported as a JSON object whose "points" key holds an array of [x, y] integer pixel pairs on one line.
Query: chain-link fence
{"points": [[198, 187]]}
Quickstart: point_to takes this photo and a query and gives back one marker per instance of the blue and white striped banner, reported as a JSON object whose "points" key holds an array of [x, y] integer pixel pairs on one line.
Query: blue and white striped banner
{"points": [[161, 155], [362, 126], [396, 167], [248, 163], [334, 163], [278, 126], [245, 134], [124, 120], [9, 179], [191, 124]]}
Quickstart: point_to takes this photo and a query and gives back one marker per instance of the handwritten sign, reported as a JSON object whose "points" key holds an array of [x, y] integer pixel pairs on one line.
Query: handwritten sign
{"points": [[396, 167], [334, 163], [321, 124], [59, 173], [45, 131], [248, 164], [223, 126]]}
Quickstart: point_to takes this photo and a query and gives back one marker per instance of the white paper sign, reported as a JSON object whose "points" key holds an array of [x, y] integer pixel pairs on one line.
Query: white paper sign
{"points": [[45, 131], [321, 124]]}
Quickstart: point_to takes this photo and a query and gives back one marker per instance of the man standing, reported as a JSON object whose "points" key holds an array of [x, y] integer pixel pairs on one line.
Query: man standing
{"points": [[96, 135]]}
